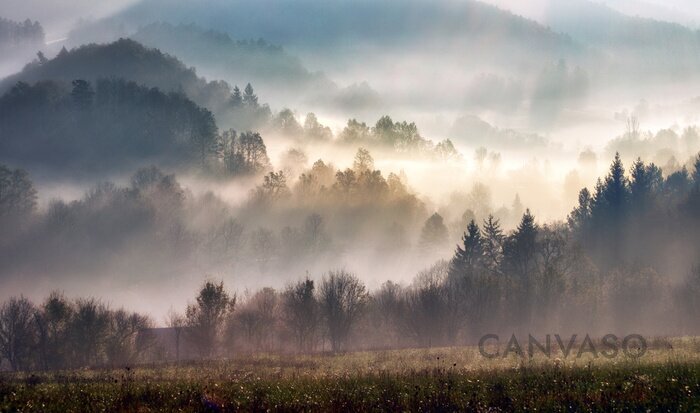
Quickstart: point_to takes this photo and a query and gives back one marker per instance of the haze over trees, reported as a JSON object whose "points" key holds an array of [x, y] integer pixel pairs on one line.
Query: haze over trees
{"points": [[410, 195], [16, 35], [130, 60], [101, 126], [537, 277]]}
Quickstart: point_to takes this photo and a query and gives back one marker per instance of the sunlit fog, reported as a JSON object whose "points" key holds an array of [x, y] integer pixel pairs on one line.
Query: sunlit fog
{"points": [[150, 146]]}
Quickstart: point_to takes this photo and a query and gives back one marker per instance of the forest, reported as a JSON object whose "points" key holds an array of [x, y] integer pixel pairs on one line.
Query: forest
{"points": [[343, 193], [609, 266], [349, 206]]}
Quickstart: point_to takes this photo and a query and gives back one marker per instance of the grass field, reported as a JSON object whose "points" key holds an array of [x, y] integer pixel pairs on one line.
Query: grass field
{"points": [[666, 378]]}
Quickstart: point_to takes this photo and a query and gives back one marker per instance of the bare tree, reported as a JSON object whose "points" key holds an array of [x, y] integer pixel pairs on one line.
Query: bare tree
{"points": [[177, 322], [301, 313], [258, 317], [17, 332], [123, 345], [342, 297]]}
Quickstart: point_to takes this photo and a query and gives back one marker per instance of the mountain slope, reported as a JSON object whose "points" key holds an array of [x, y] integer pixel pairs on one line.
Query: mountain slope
{"points": [[130, 60], [347, 25]]}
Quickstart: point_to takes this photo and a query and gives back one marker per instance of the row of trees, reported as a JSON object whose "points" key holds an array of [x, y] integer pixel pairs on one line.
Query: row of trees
{"points": [[101, 125], [638, 218], [494, 283], [19, 34], [624, 260], [60, 333], [402, 137]]}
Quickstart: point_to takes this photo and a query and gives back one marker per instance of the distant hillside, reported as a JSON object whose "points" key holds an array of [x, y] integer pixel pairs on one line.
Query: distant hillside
{"points": [[641, 44], [330, 25], [130, 60], [249, 61], [82, 126], [14, 35], [19, 44]]}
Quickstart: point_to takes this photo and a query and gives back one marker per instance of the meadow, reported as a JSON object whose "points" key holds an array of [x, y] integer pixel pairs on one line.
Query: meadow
{"points": [[666, 378]]}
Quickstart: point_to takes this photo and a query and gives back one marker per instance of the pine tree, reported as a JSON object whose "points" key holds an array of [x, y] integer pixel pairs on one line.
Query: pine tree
{"points": [[696, 172], [519, 249], [580, 216], [236, 97], [613, 194], [517, 206], [492, 242], [469, 257], [249, 97], [520, 264], [646, 180]]}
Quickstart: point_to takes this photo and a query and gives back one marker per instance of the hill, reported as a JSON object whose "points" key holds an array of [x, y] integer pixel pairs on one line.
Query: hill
{"points": [[310, 25], [128, 59], [100, 127]]}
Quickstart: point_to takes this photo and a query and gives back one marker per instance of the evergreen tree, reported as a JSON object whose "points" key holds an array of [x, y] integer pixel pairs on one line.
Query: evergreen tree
{"points": [[520, 264], [236, 97], [517, 208], [580, 216], [612, 196], [82, 94], [646, 180], [696, 171], [677, 185], [250, 99], [468, 258], [492, 242]]}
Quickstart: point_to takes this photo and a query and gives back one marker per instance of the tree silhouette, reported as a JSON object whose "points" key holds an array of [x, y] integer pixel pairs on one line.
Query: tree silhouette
{"points": [[206, 316], [492, 242], [434, 233], [250, 99], [301, 313], [17, 336], [468, 258], [82, 94], [342, 298], [363, 161]]}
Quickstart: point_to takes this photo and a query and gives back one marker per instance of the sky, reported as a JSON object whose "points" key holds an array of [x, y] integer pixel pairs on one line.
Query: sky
{"points": [[58, 16], [686, 12]]}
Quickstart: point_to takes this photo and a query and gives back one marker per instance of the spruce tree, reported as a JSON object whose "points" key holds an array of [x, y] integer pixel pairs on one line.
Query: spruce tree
{"points": [[236, 97], [250, 99], [469, 257], [492, 242]]}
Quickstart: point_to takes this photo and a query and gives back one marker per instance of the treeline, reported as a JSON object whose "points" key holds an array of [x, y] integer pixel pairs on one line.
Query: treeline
{"points": [[233, 107], [18, 34], [61, 334], [244, 59], [625, 261], [101, 125], [132, 61], [401, 136], [155, 219]]}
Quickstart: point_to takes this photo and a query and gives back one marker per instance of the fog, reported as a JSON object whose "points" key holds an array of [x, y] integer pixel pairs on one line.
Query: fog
{"points": [[154, 145]]}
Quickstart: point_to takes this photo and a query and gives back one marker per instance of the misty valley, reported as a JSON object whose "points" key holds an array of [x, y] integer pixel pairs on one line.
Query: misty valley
{"points": [[349, 206]]}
